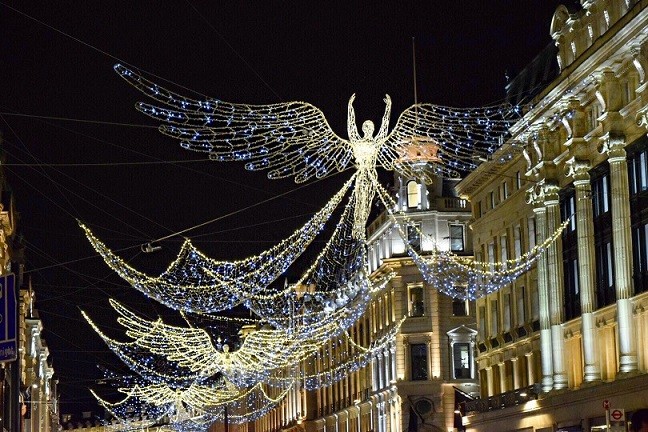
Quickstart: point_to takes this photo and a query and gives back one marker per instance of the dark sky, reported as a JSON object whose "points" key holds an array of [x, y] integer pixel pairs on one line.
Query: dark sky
{"points": [[81, 151]]}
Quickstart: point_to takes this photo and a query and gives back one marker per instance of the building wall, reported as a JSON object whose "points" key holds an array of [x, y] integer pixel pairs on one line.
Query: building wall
{"points": [[572, 331]]}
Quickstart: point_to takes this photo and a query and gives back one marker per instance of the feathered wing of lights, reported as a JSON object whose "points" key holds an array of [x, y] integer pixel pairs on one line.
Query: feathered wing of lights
{"points": [[194, 407], [261, 352], [462, 277], [196, 283], [294, 139]]}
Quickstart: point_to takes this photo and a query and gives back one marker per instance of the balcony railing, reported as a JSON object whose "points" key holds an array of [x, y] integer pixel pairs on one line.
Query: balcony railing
{"points": [[503, 400]]}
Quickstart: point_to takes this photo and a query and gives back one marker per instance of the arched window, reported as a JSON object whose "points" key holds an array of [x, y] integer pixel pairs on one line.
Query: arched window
{"points": [[413, 194]]}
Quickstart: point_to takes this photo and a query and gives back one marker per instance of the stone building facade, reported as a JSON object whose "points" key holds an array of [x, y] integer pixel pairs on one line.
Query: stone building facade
{"points": [[417, 382], [571, 333]]}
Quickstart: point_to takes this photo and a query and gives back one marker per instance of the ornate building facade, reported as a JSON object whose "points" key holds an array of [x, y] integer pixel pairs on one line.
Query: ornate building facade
{"points": [[571, 333], [417, 382]]}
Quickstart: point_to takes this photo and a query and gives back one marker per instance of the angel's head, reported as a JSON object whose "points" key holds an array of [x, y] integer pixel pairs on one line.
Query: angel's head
{"points": [[368, 129]]}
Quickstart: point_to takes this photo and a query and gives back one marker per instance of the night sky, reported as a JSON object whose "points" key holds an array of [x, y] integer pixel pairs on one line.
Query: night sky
{"points": [[76, 148]]}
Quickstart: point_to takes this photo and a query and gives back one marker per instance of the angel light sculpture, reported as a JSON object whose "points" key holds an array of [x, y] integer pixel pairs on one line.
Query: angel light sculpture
{"points": [[294, 139]]}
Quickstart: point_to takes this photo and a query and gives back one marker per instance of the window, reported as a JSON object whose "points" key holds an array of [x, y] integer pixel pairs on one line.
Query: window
{"points": [[535, 303], [459, 307], [416, 304], [491, 255], [456, 237], [517, 240], [521, 306], [418, 357], [638, 169], [492, 200], [494, 318], [462, 361], [503, 250], [413, 194], [571, 293], [532, 232], [638, 176], [603, 246], [518, 180], [414, 237], [482, 321], [506, 318], [505, 191], [601, 195]]}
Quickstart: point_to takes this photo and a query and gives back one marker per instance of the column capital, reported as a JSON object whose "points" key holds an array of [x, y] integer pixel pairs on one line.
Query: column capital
{"points": [[572, 117], [578, 169], [543, 193], [613, 144]]}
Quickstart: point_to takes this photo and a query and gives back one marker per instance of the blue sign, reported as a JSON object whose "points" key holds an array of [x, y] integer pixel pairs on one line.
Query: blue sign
{"points": [[8, 322]]}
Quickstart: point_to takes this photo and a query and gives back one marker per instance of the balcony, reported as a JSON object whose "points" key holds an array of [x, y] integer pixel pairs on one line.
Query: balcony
{"points": [[503, 400]]}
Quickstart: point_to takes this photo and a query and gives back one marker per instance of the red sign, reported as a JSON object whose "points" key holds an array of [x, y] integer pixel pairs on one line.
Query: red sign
{"points": [[606, 404], [616, 414]]}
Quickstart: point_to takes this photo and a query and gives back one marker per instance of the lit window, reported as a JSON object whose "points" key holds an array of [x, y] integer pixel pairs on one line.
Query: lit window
{"points": [[413, 194], [462, 361], [456, 237], [418, 357]]}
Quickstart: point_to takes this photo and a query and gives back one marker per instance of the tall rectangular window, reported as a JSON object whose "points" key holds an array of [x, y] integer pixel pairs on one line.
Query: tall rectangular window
{"points": [[531, 227], [413, 194], [481, 316], [414, 236], [505, 191], [494, 318], [456, 237], [603, 246], [518, 180], [638, 179], [571, 301], [517, 239], [416, 304], [418, 362], [503, 249], [535, 303], [462, 359], [521, 306], [601, 195], [492, 200], [506, 312]]}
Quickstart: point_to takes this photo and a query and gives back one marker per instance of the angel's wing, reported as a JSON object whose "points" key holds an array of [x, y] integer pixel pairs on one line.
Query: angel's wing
{"points": [[462, 135], [290, 139]]}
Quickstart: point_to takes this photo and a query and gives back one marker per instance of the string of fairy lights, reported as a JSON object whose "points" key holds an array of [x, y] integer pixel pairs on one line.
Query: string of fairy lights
{"points": [[191, 376]]}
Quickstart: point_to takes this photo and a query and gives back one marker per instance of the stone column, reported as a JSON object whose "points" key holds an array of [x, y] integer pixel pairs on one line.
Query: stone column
{"points": [[502, 373], [555, 285], [536, 197], [489, 380], [613, 145], [516, 373], [530, 368], [579, 170]]}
